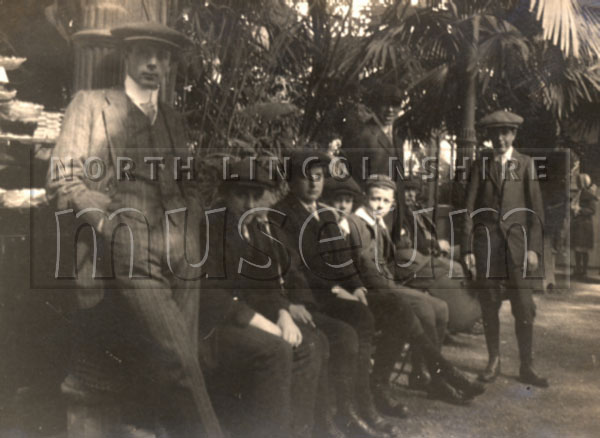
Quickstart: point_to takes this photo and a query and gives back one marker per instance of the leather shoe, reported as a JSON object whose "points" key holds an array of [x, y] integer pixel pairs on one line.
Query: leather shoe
{"points": [[356, 426], [441, 390], [528, 375], [386, 402], [460, 381], [419, 381], [491, 372], [381, 423]]}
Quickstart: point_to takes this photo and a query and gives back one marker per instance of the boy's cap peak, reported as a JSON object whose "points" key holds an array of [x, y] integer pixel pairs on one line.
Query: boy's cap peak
{"points": [[349, 186], [380, 180], [499, 119]]}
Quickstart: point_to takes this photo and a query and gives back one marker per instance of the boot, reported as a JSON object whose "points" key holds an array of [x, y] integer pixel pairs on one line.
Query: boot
{"points": [[492, 370], [326, 427], [353, 423], [526, 373], [378, 421], [364, 397], [385, 400], [491, 329], [584, 265]]}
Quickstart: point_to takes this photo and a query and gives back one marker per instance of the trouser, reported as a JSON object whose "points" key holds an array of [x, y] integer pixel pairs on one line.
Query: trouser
{"points": [[360, 318], [432, 313], [120, 377], [397, 323], [250, 381], [150, 332], [519, 292], [337, 385]]}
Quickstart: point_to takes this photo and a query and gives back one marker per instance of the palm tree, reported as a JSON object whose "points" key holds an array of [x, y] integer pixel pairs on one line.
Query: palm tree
{"points": [[471, 50]]}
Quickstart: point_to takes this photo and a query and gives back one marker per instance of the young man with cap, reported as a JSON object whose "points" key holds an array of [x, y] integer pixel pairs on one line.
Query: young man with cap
{"points": [[502, 240], [135, 347], [256, 347], [324, 290], [372, 144]]}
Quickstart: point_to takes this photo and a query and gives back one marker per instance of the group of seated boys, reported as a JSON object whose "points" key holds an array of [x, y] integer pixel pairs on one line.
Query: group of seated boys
{"points": [[308, 312]]}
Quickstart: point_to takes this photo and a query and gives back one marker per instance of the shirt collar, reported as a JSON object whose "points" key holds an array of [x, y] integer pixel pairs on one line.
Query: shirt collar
{"points": [[506, 155], [362, 213], [309, 207], [139, 95]]}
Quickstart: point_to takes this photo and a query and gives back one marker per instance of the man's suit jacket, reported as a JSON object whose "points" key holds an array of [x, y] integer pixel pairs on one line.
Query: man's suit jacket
{"points": [[364, 138], [317, 252], [94, 127], [510, 207]]}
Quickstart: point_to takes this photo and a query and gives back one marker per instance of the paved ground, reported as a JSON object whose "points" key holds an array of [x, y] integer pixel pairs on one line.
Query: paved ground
{"points": [[567, 351], [567, 346]]}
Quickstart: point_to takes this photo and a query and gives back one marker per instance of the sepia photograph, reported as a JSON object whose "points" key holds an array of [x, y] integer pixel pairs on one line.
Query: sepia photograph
{"points": [[299, 219]]}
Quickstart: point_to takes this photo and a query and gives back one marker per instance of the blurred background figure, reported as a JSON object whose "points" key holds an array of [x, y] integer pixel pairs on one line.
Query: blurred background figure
{"points": [[583, 207]]}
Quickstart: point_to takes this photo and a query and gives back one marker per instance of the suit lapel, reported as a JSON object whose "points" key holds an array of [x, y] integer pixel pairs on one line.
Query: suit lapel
{"points": [[115, 114], [170, 122], [384, 141]]}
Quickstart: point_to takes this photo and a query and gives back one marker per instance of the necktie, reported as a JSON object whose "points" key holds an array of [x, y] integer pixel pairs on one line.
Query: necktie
{"points": [[312, 208], [150, 110]]}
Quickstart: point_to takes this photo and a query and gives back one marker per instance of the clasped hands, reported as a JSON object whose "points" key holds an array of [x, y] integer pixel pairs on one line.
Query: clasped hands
{"points": [[285, 328]]}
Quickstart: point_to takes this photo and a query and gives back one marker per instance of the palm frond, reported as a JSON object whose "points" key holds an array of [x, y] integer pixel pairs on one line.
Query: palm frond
{"points": [[570, 25]]}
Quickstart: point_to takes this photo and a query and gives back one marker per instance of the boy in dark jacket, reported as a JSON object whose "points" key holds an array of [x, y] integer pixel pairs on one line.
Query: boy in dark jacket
{"points": [[375, 253], [255, 346]]}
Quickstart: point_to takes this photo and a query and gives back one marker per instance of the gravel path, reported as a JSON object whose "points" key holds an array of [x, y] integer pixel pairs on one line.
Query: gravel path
{"points": [[567, 351]]}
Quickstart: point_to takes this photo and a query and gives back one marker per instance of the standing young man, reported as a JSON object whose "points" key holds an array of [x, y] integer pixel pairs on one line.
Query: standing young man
{"points": [[135, 353], [502, 240]]}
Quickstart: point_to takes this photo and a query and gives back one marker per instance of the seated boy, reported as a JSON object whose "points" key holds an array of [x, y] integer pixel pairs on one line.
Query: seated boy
{"points": [[324, 291], [370, 235], [254, 346], [432, 268]]}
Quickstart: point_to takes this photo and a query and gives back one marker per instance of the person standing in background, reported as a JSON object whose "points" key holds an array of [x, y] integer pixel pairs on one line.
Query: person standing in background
{"points": [[583, 208]]}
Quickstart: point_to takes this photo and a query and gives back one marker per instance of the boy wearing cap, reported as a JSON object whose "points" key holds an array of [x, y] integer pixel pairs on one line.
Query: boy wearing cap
{"points": [[146, 317], [400, 305], [502, 240], [256, 346], [323, 290]]}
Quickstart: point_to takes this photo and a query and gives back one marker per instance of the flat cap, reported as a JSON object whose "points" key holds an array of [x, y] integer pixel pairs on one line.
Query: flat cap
{"points": [[380, 180], [150, 31], [247, 172], [302, 160], [412, 184], [335, 186], [500, 119]]}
